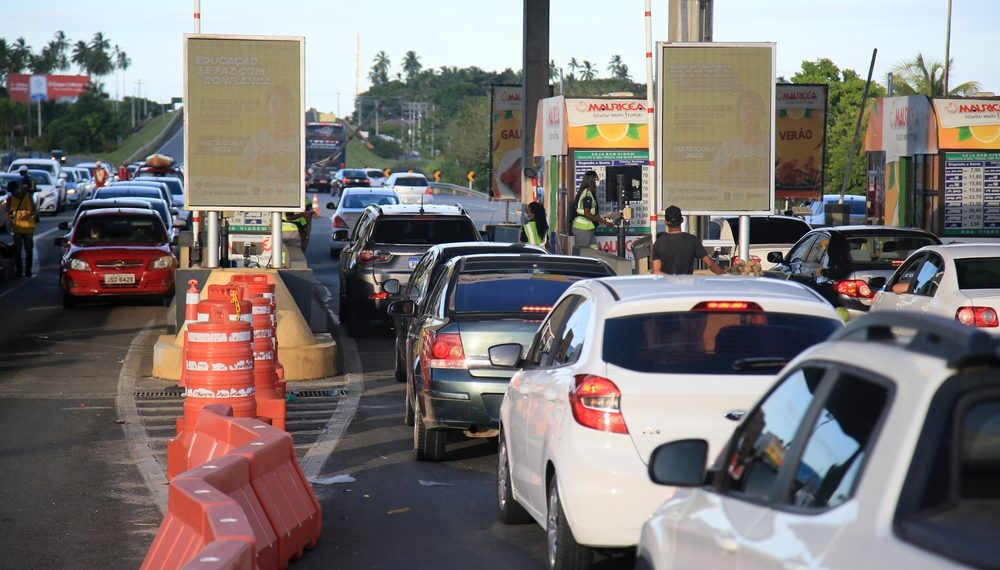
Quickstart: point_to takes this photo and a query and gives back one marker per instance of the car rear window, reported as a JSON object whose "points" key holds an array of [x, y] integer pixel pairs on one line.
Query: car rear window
{"points": [[411, 181], [533, 292], [978, 273], [362, 201], [355, 174], [884, 249], [115, 229], [423, 230], [711, 342]]}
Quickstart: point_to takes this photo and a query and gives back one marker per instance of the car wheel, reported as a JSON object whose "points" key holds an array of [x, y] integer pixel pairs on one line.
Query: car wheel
{"points": [[511, 512], [564, 553], [167, 300], [68, 300], [428, 443], [408, 412]]}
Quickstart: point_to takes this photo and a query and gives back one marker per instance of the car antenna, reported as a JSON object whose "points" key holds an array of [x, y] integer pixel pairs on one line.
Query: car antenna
{"points": [[421, 202]]}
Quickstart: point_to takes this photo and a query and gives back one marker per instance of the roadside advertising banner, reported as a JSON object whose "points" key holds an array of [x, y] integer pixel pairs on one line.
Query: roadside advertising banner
{"points": [[59, 88], [715, 116], [607, 123], [968, 123], [799, 147], [244, 127], [908, 128], [506, 110], [550, 138]]}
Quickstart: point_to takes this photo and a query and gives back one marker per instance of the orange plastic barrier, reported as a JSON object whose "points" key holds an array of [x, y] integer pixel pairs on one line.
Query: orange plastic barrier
{"points": [[222, 555], [270, 404], [256, 487]]}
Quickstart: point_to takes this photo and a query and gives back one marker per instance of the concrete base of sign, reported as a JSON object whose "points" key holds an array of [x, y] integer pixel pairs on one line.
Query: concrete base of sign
{"points": [[304, 354]]}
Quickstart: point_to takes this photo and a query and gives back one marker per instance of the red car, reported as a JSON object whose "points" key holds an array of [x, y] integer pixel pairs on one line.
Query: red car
{"points": [[116, 252]]}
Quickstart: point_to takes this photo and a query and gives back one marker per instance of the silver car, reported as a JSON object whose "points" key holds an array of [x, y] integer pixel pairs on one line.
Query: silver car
{"points": [[353, 202]]}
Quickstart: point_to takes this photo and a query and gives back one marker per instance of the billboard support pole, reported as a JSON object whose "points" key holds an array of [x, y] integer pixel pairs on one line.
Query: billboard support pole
{"points": [[651, 124], [39, 102], [277, 243], [196, 215]]}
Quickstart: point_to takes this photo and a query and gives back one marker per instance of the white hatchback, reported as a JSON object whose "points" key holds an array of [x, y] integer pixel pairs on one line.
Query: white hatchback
{"points": [[411, 187], [877, 449], [956, 281], [621, 365]]}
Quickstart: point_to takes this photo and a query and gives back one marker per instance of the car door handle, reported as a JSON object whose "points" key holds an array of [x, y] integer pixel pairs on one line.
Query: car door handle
{"points": [[727, 543]]}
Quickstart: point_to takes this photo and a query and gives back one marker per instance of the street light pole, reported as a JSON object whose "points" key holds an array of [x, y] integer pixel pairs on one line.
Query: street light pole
{"points": [[947, 50]]}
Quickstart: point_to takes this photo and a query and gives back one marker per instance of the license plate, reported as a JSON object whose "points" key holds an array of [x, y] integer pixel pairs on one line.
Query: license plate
{"points": [[119, 279], [414, 261]]}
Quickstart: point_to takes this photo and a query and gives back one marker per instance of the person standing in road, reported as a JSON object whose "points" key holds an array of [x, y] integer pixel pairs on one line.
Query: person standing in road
{"points": [[303, 223], [123, 172], [585, 221], [27, 182], [22, 218], [675, 252], [100, 175], [536, 230]]}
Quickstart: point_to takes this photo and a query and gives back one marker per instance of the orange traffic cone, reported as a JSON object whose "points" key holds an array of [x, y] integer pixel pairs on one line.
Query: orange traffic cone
{"points": [[315, 205], [192, 298]]}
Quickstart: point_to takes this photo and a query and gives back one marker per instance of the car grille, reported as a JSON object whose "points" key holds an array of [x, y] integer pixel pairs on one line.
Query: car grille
{"points": [[119, 264]]}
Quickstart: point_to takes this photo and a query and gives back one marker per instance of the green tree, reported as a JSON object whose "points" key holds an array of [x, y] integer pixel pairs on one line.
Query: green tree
{"points": [[845, 90], [617, 67], [99, 62], [924, 77], [19, 56], [573, 66], [411, 65], [379, 73], [80, 55], [467, 134]]}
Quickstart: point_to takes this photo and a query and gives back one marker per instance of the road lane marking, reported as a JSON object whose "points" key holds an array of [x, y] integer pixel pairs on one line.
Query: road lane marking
{"points": [[35, 264]]}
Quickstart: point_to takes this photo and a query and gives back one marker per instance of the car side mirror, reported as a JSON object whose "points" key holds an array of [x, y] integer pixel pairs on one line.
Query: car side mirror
{"points": [[877, 283], [180, 223], [403, 308], [391, 286], [775, 257], [484, 235], [506, 355], [61, 241], [679, 463], [340, 235], [64, 226]]}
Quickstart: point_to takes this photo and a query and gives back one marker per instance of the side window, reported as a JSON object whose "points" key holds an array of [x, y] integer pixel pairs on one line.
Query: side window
{"points": [[418, 281], [798, 252], [541, 348], [928, 276], [817, 253], [759, 446], [569, 345], [979, 456], [838, 443], [435, 301], [362, 226], [900, 281]]}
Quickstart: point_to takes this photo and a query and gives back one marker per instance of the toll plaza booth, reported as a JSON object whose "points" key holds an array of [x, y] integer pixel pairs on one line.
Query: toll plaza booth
{"points": [[934, 164], [608, 135]]}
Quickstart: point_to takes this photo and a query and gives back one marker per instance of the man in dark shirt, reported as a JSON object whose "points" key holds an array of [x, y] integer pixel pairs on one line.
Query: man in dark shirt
{"points": [[675, 251]]}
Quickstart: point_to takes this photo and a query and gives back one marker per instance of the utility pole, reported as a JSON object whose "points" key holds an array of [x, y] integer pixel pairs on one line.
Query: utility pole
{"points": [[947, 50]]}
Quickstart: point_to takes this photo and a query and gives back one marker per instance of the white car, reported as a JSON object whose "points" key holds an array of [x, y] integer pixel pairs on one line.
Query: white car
{"points": [[621, 365], [46, 197], [767, 234], [877, 449], [350, 206], [412, 188], [51, 166], [956, 281]]}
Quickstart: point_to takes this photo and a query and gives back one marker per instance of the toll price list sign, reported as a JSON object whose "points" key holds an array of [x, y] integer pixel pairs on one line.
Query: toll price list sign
{"points": [[972, 194]]}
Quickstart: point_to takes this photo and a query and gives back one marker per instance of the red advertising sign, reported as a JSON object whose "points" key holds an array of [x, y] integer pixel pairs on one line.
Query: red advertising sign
{"points": [[59, 87]]}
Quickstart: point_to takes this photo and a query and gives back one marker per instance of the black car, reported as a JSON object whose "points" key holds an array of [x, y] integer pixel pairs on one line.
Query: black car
{"points": [[349, 177], [387, 243], [426, 270], [475, 302], [838, 262]]}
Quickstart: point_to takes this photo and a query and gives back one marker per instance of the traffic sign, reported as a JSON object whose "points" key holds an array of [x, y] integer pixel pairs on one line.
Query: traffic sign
{"points": [[470, 176], [38, 86], [437, 176]]}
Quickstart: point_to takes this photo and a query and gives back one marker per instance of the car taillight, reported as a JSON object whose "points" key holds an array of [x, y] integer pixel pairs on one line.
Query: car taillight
{"points": [[728, 306], [369, 256], [428, 191], [443, 350], [856, 288], [984, 317], [339, 223], [595, 402], [535, 309]]}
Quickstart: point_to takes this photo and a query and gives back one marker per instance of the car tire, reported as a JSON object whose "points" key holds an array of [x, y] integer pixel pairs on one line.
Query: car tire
{"points": [[68, 300], [167, 300], [427, 443], [408, 412], [564, 552], [511, 512]]}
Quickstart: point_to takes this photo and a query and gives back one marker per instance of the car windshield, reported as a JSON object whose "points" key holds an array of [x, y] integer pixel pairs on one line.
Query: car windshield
{"points": [[40, 177], [423, 230], [362, 201], [521, 292], [118, 229], [884, 249], [978, 273], [355, 174], [711, 342], [411, 181]]}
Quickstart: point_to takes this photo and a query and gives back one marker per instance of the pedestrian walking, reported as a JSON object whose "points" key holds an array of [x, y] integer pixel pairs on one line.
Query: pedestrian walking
{"points": [[536, 230], [100, 175], [675, 252], [22, 218], [585, 216], [123, 172]]}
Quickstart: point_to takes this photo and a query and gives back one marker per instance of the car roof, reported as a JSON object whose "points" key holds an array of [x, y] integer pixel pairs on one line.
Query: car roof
{"points": [[472, 247], [408, 174], [417, 209], [113, 211], [848, 230], [94, 203], [963, 250], [763, 216], [650, 290], [369, 190]]}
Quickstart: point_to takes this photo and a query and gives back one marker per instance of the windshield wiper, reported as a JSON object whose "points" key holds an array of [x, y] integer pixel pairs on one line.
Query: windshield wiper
{"points": [[759, 362]]}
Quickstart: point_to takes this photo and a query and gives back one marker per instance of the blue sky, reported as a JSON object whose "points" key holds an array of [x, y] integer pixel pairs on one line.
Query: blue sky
{"points": [[488, 34]]}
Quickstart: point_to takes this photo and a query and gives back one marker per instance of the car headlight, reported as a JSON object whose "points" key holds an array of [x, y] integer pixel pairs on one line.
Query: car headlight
{"points": [[78, 265], [163, 262]]}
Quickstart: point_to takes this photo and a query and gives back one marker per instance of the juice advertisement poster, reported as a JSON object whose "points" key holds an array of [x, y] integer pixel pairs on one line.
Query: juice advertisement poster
{"points": [[607, 123], [800, 126], [506, 109]]}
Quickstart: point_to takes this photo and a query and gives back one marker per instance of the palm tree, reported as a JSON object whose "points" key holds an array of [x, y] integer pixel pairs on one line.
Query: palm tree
{"points": [[573, 65], [589, 71], [81, 55], [553, 70], [19, 57], [411, 65], [926, 77], [59, 46], [614, 65], [100, 63], [379, 74], [122, 63], [622, 72]]}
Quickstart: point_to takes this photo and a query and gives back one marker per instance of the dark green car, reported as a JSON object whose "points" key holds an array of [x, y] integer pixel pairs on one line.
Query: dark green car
{"points": [[476, 301]]}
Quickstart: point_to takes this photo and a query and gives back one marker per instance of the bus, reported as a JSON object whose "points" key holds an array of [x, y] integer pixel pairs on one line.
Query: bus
{"points": [[326, 145]]}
